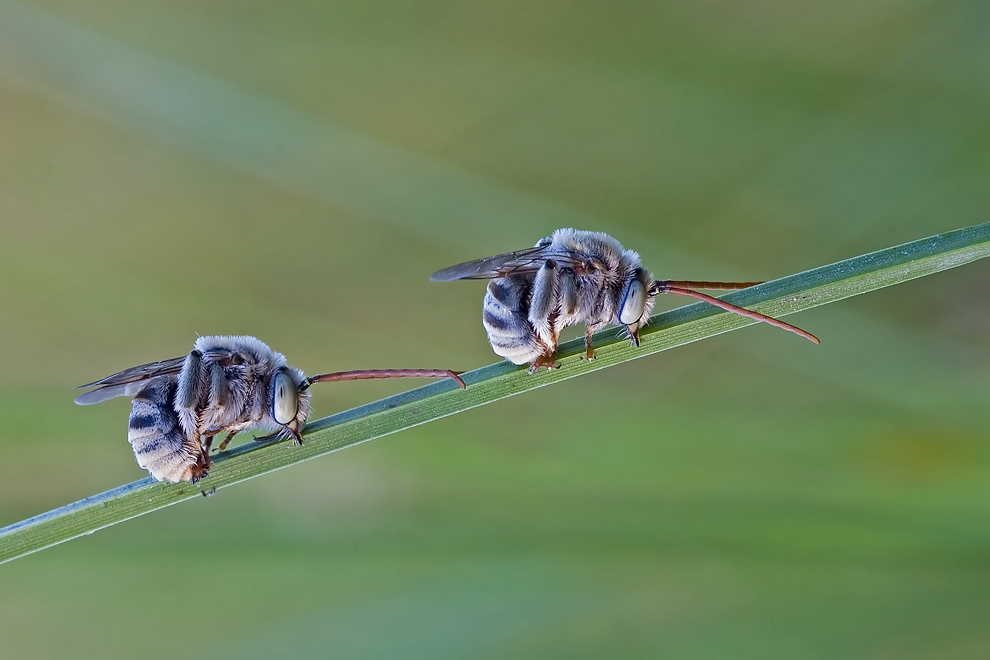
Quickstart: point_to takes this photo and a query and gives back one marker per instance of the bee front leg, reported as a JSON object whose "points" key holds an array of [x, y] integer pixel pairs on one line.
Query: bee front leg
{"points": [[272, 436]]}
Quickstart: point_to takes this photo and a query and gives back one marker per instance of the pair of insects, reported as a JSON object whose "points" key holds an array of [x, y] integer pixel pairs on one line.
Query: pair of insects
{"points": [[229, 384]]}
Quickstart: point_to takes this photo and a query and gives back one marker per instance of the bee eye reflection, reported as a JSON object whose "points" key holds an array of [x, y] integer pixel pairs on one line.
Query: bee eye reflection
{"points": [[284, 398], [633, 303]]}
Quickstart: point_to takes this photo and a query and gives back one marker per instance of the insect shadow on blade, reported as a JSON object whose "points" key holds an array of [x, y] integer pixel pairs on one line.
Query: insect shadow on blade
{"points": [[225, 384], [569, 277]]}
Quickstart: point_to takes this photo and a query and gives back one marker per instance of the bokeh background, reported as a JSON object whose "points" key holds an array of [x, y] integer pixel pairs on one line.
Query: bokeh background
{"points": [[296, 170]]}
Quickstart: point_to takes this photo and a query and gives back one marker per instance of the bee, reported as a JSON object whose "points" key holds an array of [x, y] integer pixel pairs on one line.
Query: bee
{"points": [[225, 384], [570, 277]]}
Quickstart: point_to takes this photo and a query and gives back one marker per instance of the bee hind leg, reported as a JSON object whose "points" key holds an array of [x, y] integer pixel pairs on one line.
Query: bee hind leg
{"points": [[548, 357], [190, 382], [201, 467], [198, 471], [544, 360], [204, 462]]}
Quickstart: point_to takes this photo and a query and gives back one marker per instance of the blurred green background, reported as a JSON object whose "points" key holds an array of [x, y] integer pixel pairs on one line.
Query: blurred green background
{"points": [[296, 170]]}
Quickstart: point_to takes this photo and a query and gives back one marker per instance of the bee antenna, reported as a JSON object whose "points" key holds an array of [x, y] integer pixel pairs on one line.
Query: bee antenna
{"points": [[365, 374], [667, 286]]}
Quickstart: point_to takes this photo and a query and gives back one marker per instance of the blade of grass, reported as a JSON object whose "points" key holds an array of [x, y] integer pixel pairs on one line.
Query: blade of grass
{"points": [[500, 380]]}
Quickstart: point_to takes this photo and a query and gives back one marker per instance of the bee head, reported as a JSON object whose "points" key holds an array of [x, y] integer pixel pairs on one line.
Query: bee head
{"points": [[289, 401], [635, 303]]}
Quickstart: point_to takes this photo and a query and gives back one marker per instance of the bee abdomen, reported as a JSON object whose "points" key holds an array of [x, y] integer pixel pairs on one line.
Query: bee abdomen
{"points": [[504, 317], [154, 433]]}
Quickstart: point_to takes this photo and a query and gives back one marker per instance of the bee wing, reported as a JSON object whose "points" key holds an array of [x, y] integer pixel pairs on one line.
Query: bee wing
{"points": [[520, 262], [128, 382], [110, 391]]}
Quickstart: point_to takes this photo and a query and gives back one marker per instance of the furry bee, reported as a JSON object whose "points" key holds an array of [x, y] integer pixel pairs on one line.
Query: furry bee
{"points": [[570, 277], [225, 384]]}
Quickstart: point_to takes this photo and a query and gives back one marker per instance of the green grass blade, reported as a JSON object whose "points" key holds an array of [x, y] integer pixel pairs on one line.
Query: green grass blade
{"points": [[497, 381]]}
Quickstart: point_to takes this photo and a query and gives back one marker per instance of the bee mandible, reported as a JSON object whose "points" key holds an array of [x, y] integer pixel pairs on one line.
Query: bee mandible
{"points": [[570, 277], [226, 384]]}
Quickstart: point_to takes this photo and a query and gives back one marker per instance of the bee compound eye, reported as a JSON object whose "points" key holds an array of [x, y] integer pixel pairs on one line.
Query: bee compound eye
{"points": [[284, 398], [633, 303]]}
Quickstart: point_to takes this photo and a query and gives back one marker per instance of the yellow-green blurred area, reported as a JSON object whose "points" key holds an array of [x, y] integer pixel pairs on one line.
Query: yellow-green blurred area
{"points": [[296, 170]]}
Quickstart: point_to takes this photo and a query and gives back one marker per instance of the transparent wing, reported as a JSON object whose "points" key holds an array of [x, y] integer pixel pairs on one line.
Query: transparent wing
{"points": [[128, 382], [102, 394], [511, 263]]}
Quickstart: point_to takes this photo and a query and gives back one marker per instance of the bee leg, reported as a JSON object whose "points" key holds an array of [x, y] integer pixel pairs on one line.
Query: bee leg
{"points": [[226, 441], [202, 466], [544, 303], [544, 360], [568, 292], [187, 396], [219, 388], [190, 379], [207, 443], [589, 353], [199, 471], [296, 438]]}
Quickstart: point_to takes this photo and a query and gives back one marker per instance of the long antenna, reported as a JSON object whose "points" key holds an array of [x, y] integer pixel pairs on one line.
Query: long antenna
{"points": [[719, 286], [366, 374], [669, 286]]}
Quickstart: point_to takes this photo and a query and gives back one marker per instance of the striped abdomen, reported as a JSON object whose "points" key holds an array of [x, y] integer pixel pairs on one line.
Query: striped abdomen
{"points": [[505, 319], [159, 444]]}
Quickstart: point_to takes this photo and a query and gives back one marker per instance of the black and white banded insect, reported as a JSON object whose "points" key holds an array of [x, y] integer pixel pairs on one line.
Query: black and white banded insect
{"points": [[570, 277], [226, 384]]}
